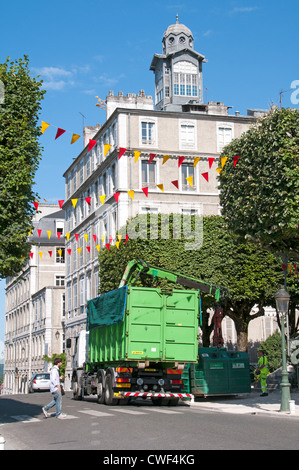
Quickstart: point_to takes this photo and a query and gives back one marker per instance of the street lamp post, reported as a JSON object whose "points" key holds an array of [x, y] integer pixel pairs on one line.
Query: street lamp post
{"points": [[282, 299]]}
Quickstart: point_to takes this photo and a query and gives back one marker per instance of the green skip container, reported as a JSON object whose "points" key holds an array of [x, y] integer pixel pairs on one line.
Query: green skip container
{"points": [[143, 324], [218, 372]]}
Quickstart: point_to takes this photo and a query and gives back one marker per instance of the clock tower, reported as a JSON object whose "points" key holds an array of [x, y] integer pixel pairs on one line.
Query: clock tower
{"points": [[178, 71]]}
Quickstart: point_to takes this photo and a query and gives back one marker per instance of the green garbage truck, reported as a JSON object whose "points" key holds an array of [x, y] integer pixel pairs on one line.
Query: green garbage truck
{"points": [[138, 339]]}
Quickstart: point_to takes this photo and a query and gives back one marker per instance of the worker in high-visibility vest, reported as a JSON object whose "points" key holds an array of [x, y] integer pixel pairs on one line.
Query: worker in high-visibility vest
{"points": [[263, 371]]}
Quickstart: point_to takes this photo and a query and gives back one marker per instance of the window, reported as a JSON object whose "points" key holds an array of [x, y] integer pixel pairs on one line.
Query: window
{"points": [[224, 136], [59, 281], [187, 171], [113, 177], [187, 135], [148, 174], [60, 252], [147, 132], [185, 79], [81, 170]]}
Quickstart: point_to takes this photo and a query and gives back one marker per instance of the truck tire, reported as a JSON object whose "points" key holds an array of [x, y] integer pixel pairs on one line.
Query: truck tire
{"points": [[101, 381], [77, 391], [109, 400]]}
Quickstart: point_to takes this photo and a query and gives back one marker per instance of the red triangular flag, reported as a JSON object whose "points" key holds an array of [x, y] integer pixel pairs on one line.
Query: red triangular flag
{"points": [[107, 246], [181, 159], [121, 152], [127, 238], [91, 144], [31, 255], [206, 176], [95, 238], [116, 196], [61, 203], [35, 205], [50, 253], [110, 239], [88, 200], [283, 266], [88, 249], [77, 236], [211, 160], [59, 132], [151, 157], [145, 190], [58, 235], [176, 183], [69, 250], [236, 158], [39, 232]]}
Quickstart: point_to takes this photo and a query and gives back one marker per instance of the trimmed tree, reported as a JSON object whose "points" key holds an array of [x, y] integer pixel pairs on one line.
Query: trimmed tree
{"points": [[19, 157], [249, 272], [260, 193]]}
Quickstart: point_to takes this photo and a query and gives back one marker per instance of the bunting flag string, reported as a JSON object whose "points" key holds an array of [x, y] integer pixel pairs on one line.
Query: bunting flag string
{"points": [[137, 153]]}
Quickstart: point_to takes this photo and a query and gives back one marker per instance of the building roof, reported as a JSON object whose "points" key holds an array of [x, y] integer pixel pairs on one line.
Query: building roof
{"points": [[177, 29]]}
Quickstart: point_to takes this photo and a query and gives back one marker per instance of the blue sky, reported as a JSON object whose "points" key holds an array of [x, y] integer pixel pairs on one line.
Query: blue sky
{"points": [[83, 49]]}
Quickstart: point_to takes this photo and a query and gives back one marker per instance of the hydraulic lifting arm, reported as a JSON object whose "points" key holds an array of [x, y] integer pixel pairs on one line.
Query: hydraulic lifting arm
{"points": [[137, 266]]}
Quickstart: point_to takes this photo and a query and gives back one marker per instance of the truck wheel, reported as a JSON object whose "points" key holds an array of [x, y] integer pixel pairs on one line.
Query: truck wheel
{"points": [[101, 381], [77, 392], [109, 400]]}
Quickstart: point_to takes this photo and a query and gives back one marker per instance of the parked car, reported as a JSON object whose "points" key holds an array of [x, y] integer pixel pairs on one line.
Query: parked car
{"points": [[39, 381]]}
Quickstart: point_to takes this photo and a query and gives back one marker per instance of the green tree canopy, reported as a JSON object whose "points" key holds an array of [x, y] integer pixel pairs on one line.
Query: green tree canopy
{"points": [[260, 195], [251, 273], [19, 157]]}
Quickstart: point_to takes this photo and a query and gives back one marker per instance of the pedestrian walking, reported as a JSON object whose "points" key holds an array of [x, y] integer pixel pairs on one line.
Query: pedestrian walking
{"points": [[263, 371], [55, 389]]}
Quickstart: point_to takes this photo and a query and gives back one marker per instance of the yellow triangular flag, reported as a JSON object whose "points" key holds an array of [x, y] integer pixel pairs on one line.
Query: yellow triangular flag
{"points": [[86, 236], [103, 238], [49, 233], [29, 234], [165, 158], [40, 254], [190, 180], [119, 237], [223, 161], [160, 186], [107, 147], [219, 170], [137, 155], [117, 245], [196, 160], [79, 249], [98, 247], [59, 252], [45, 126], [102, 198], [131, 194], [67, 236], [75, 138], [74, 202]]}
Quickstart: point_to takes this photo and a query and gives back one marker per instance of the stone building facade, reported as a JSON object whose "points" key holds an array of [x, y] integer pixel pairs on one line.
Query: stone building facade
{"points": [[35, 303]]}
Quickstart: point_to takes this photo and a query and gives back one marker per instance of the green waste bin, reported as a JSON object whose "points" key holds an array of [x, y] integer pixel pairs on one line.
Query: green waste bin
{"points": [[219, 372]]}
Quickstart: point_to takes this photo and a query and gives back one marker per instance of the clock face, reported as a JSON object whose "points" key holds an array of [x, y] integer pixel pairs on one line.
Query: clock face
{"points": [[171, 40], [182, 39]]}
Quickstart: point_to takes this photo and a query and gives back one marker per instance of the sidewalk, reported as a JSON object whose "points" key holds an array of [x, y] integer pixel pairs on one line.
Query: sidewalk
{"points": [[251, 403]]}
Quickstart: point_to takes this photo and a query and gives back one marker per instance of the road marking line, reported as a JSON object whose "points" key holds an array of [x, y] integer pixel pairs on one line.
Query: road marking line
{"points": [[129, 412], [167, 412], [25, 419], [95, 413]]}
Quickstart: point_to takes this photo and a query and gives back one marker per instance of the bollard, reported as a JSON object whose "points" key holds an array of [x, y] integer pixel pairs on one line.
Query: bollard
{"points": [[2, 443], [292, 406]]}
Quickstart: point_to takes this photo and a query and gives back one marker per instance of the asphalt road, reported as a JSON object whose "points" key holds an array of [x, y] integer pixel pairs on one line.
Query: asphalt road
{"points": [[138, 426]]}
